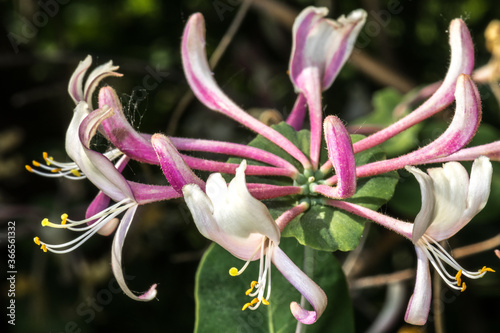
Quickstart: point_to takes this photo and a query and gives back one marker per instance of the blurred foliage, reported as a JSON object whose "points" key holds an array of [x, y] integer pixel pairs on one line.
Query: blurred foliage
{"points": [[41, 48]]}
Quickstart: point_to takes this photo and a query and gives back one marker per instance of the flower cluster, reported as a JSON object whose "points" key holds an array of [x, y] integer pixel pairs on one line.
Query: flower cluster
{"points": [[235, 214]]}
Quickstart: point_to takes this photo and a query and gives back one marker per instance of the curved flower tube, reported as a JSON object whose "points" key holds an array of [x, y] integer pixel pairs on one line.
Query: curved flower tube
{"points": [[462, 62], [231, 217], [320, 49], [205, 88], [138, 146], [461, 130]]}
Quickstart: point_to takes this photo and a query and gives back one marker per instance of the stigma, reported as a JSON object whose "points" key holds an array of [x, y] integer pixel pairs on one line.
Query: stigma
{"points": [[258, 288], [106, 220], [439, 258]]}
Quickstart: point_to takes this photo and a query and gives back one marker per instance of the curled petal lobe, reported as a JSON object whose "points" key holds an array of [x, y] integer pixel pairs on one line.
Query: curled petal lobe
{"points": [[425, 216], [420, 302], [307, 287], [75, 87], [116, 258]]}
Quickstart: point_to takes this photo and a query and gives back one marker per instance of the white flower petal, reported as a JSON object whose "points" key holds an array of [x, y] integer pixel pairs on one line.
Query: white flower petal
{"points": [[451, 183], [426, 213]]}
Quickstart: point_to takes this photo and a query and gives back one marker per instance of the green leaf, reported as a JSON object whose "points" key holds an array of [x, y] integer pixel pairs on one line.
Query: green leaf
{"points": [[384, 101], [220, 297], [324, 227]]}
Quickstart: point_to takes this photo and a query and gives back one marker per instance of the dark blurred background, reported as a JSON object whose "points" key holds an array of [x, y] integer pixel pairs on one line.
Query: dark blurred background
{"points": [[42, 43]]}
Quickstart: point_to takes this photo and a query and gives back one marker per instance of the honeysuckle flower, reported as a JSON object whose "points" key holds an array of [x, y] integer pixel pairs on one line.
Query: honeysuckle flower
{"points": [[449, 201], [81, 95], [108, 178], [231, 217], [320, 49]]}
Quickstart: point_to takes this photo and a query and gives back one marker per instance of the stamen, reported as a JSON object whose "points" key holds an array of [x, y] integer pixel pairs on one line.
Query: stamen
{"points": [[30, 169], [35, 163], [463, 287], [265, 302], [75, 173], [100, 220]]}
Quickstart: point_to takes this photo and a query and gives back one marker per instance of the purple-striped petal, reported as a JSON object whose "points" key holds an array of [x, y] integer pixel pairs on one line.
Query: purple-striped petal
{"points": [[120, 133], [341, 155], [174, 168]]}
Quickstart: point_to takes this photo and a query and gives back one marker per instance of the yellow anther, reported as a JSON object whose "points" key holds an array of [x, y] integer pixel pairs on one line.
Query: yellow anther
{"points": [[252, 285], [35, 163], [55, 170], [30, 169], [458, 278], [265, 302], [75, 173], [45, 222], [463, 287], [64, 217], [233, 271], [252, 302], [44, 247], [37, 240], [47, 158], [486, 269], [245, 306]]}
